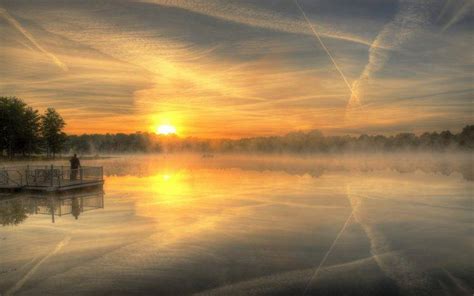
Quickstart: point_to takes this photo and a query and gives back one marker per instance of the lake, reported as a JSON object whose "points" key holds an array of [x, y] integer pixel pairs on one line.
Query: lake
{"points": [[395, 224]]}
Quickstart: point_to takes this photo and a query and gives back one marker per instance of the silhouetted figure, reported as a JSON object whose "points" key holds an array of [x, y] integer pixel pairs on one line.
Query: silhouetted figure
{"points": [[75, 164]]}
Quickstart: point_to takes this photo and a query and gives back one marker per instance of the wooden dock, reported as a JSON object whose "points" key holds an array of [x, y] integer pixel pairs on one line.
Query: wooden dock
{"points": [[49, 178]]}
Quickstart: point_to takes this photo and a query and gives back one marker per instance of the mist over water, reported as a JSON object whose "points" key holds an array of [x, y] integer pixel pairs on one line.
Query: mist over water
{"points": [[226, 224]]}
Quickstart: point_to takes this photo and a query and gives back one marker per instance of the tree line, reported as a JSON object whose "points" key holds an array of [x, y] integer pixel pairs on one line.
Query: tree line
{"points": [[24, 131], [295, 142]]}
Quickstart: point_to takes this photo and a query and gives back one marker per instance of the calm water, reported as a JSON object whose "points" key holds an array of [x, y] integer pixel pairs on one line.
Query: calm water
{"points": [[235, 225]]}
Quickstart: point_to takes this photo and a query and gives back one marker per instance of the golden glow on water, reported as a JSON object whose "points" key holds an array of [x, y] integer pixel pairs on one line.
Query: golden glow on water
{"points": [[166, 216], [168, 187], [165, 187]]}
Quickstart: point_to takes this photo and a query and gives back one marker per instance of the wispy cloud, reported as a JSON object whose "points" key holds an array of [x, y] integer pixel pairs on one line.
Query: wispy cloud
{"points": [[411, 17], [258, 17], [454, 11], [10, 19], [237, 68]]}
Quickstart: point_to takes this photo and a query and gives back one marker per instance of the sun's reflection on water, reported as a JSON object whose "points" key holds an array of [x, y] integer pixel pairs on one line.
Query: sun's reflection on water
{"points": [[246, 220]]}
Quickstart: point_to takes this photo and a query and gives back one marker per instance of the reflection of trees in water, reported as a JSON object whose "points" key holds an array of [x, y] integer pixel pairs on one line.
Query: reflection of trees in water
{"points": [[13, 212]]}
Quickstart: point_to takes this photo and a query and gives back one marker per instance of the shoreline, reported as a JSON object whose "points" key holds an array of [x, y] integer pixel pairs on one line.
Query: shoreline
{"points": [[45, 158]]}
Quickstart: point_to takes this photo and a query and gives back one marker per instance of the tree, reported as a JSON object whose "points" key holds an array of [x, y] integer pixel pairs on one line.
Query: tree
{"points": [[29, 137], [466, 137], [19, 127], [52, 125]]}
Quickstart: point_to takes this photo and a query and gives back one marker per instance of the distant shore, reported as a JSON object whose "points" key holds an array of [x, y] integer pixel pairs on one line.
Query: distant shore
{"points": [[45, 158]]}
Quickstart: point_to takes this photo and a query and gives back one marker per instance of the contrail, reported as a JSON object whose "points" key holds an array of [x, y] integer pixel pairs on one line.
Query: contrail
{"points": [[394, 264], [315, 274], [411, 17], [23, 280], [323, 45], [459, 14], [252, 17], [24, 32]]}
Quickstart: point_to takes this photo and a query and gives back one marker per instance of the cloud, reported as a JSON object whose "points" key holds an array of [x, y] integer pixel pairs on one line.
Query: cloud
{"points": [[252, 15], [411, 17], [12, 21], [235, 68]]}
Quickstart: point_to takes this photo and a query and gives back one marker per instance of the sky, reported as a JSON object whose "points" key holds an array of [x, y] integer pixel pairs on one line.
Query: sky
{"points": [[221, 68]]}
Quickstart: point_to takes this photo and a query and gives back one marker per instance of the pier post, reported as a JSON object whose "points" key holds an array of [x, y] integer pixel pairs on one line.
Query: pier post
{"points": [[52, 209], [51, 175]]}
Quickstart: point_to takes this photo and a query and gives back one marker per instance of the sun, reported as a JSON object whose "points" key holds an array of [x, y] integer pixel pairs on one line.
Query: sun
{"points": [[165, 129]]}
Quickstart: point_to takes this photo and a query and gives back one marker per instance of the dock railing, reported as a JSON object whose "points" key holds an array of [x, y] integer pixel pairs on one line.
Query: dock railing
{"points": [[61, 176], [48, 177], [11, 177]]}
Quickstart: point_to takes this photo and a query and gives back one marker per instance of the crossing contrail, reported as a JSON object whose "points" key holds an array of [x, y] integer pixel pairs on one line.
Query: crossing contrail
{"points": [[459, 14], [27, 35], [315, 274], [323, 45], [23, 280], [412, 17]]}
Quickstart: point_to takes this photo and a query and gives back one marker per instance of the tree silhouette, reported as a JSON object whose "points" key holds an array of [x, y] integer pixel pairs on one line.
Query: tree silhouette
{"points": [[295, 142], [466, 137], [19, 127], [22, 131], [29, 138], [52, 125]]}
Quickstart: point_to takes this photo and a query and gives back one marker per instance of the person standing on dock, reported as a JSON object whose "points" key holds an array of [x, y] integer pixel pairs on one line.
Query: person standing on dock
{"points": [[75, 164]]}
